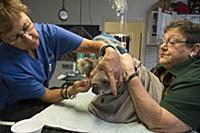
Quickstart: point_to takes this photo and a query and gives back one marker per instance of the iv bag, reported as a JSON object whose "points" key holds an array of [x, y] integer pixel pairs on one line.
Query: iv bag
{"points": [[120, 6]]}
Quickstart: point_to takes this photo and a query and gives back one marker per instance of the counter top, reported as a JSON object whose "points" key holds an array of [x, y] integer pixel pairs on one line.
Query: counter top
{"points": [[23, 110]]}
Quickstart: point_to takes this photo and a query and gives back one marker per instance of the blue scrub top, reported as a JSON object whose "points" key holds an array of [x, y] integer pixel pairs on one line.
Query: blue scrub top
{"points": [[23, 77]]}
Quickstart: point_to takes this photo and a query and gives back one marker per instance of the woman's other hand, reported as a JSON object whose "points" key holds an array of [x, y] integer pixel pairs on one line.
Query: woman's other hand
{"points": [[110, 63]]}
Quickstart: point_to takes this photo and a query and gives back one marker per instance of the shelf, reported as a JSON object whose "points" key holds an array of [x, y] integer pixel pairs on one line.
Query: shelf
{"points": [[152, 44]]}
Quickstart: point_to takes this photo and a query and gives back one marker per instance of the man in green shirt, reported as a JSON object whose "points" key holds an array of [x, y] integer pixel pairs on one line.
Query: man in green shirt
{"points": [[179, 71]]}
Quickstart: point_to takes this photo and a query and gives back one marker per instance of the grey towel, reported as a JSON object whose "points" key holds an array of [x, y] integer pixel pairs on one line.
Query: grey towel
{"points": [[120, 108]]}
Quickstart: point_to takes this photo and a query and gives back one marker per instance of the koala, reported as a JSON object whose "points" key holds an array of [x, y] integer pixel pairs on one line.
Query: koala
{"points": [[105, 105], [99, 82]]}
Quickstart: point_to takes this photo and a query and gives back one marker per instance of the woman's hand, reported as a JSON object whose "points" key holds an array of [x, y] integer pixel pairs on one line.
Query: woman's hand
{"points": [[127, 63], [80, 86], [110, 63]]}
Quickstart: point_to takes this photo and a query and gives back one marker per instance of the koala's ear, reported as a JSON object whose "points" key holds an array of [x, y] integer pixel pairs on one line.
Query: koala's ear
{"points": [[86, 65], [89, 60], [79, 63], [94, 63]]}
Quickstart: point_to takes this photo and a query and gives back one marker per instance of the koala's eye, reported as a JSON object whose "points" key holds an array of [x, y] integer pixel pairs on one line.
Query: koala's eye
{"points": [[104, 81], [102, 100]]}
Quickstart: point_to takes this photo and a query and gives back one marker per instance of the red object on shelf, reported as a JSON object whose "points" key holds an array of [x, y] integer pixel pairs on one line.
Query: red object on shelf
{"points": [[182, 8]]}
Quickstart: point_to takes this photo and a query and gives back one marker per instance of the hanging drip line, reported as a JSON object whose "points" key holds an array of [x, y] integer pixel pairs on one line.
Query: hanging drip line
{"points": [[80, 22], [80, 13]]}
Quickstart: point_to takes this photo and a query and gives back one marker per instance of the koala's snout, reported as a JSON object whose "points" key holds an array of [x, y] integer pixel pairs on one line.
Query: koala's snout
{"points": [[95, 88], [100, 83]]}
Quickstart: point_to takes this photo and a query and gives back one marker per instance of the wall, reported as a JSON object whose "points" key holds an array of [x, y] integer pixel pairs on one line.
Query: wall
{"points": [[100, 10], [46, 10]]}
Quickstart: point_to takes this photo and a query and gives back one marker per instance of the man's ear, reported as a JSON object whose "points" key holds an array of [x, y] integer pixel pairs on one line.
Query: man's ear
{"points": [[195, 50]]}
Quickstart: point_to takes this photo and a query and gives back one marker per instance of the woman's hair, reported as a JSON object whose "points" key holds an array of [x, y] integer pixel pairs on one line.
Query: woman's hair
{"points": [[190, 30], [9, 12]]}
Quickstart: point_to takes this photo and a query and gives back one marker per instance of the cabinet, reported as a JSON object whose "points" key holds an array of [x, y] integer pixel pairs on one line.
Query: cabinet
{"points": [[152, 27], [157, 20], [62, 67], [133, 29]]}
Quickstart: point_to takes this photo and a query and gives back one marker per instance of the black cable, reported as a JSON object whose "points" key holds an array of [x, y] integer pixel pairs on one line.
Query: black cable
{"points": [[80, 17], [63, 5], [80, 20], [90, 14]]}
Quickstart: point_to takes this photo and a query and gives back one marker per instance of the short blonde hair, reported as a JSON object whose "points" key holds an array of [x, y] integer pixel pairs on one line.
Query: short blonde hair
{"points": [[9, 11]]}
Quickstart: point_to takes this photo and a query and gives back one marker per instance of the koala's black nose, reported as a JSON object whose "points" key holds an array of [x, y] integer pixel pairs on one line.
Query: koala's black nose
{"points": [[95, 88]]}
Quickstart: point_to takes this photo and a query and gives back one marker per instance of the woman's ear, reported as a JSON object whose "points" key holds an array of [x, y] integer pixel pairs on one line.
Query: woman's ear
{"points": [[195, 50]]}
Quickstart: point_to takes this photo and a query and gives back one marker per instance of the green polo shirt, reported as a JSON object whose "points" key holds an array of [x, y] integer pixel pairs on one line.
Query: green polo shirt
{"points": [[183, 96]]}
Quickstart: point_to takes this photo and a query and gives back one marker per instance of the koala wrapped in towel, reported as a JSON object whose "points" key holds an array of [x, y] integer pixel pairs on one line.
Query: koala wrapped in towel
{"points": [[119, 108]]}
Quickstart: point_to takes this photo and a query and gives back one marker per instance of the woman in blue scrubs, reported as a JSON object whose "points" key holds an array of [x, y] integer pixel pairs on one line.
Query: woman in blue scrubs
{"points": [[29, 53]]}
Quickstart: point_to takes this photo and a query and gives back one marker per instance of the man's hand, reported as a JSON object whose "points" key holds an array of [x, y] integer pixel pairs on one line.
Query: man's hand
{"points": [[110, 63]]}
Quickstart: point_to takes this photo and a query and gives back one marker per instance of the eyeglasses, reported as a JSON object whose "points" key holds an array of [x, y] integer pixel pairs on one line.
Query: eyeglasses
{"points": [[19, 36], [171, 42]]}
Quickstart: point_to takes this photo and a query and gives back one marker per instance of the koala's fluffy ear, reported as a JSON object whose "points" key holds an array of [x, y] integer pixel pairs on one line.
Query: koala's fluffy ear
{"points": [[85, 65]]}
